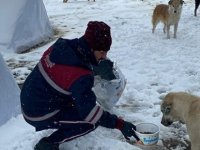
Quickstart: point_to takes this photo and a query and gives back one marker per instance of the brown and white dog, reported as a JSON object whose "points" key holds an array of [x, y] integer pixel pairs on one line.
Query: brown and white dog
{"points": [[197, 2], [168, 14], [65, 1], [183, 107]]}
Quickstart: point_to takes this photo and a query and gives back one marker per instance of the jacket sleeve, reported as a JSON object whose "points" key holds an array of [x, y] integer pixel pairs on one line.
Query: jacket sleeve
{"points": [[85, 102], [108, 120]]}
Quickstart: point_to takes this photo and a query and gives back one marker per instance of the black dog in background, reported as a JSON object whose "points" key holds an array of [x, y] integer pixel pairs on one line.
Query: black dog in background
{"points": [[197, 2]]}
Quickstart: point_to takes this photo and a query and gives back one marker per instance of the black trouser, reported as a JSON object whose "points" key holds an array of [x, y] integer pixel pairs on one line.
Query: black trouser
{"points": [[68, 127]]}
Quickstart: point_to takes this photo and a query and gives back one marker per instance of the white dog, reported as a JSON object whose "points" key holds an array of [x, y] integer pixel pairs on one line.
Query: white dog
{"points": [[183, 107], [168, 14]]}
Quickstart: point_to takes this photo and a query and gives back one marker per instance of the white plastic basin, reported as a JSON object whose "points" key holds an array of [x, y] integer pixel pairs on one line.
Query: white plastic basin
{"points": [[148, 133]]}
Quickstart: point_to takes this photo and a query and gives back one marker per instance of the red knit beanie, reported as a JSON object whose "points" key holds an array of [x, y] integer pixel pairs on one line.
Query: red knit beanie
{"points": [[98, 36]]}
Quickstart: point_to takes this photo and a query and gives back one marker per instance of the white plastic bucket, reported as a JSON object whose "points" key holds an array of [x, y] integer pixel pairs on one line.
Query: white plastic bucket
{"points": [[148, 133]]}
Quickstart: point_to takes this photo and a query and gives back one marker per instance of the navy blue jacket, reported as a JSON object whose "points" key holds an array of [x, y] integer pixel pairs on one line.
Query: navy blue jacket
{"points": [[63, 79]]}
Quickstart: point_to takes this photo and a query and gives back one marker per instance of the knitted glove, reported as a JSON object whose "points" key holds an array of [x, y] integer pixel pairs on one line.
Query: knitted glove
{"points": [[104, 69], [127, 129]]}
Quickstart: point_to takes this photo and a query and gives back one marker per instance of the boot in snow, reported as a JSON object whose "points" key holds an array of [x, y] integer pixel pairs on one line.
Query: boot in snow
{"points": [[46, 144]]}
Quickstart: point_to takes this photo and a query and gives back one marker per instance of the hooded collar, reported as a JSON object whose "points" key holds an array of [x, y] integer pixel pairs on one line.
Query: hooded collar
{"points": [[84, 52], [75, 52]]}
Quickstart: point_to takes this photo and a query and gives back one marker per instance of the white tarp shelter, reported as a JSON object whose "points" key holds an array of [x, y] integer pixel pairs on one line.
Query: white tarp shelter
{"points": [[23, 24], [9, 94]]}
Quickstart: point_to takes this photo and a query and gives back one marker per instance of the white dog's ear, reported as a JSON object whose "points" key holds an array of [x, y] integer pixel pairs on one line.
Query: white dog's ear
{"points": [[166, 110], [182, 2], [170, 2]]}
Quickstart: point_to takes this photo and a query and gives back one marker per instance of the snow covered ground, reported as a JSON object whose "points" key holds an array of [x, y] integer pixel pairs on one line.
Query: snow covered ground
{"points": [[152, 64]]}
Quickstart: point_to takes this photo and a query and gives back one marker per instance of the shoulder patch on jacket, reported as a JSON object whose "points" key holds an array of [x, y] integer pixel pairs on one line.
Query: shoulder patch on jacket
{"points": [[62, 75]]}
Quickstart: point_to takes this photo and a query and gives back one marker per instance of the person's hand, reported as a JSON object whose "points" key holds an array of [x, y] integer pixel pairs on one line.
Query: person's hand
{"points": [[127, 129], [104, 69]]}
